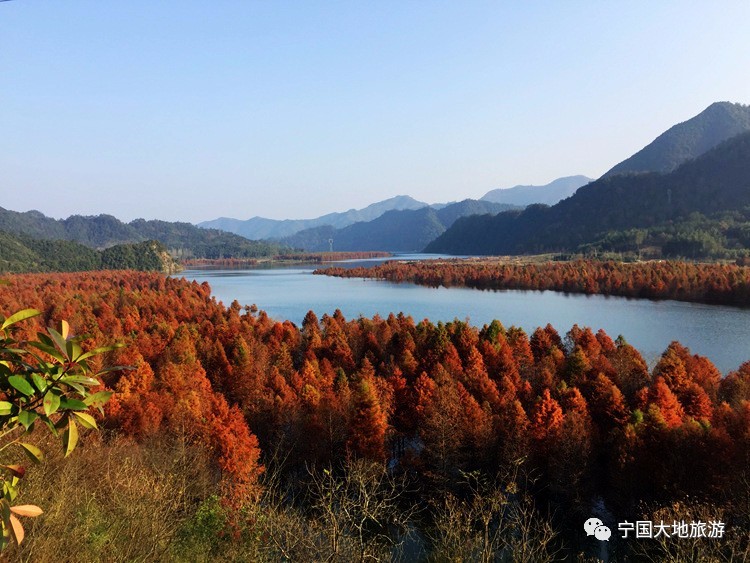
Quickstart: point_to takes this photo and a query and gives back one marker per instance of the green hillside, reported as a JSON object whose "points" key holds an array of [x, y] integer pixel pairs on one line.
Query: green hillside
{"points": [[103, 231], [688, 140], [20, 253]]}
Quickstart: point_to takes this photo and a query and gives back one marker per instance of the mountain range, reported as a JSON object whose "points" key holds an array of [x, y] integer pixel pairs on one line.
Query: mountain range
{"points": [[631, 195], [407, 230], [392, 231], [687, 194], [717, 181], [261, 228], [317, 231], [103, 231]]}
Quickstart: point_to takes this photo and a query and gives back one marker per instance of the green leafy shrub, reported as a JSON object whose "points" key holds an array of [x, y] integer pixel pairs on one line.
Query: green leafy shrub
{"points": [[43, 382]]}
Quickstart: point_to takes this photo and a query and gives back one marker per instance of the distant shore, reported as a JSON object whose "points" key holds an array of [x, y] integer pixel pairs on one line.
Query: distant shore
{"points": [[297, 258]]}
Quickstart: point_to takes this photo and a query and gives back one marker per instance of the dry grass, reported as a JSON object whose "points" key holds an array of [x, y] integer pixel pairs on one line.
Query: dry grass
{"points": [[112, 500]]}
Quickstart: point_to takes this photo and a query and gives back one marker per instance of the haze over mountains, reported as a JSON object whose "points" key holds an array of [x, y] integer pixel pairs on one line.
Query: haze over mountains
{"points": [[396, 230], [548, 194], [262, 228]]}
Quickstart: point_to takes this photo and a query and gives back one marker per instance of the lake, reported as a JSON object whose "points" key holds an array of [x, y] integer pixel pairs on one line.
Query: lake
{"points": [[719, 332]]}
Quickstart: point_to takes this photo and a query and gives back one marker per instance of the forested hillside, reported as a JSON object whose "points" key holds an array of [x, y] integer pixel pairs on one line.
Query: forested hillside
{"points": [[294, 427], [25, 254], [688, 140], [102, 231], [701, 190]]}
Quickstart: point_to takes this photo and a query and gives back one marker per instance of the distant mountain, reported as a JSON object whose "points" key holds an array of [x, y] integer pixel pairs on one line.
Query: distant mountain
{"points": [[103, 231], [718, 122], [260, 228], [549, 194], [717, 181], [398, 230]]}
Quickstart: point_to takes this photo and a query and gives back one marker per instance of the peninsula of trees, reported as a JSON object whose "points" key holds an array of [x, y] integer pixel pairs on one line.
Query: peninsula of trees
{"points": [[726, 284]]}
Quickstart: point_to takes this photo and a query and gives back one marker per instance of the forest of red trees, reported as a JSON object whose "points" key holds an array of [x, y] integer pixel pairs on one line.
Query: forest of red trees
{"points": [[582, 414], [727, 284]]}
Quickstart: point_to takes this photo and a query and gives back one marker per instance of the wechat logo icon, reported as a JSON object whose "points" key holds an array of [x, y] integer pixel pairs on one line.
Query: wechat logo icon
{"points": [[595, 527]]}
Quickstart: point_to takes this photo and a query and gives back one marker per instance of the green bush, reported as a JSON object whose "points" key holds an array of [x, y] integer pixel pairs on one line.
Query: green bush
{"points": [[44, 382]]}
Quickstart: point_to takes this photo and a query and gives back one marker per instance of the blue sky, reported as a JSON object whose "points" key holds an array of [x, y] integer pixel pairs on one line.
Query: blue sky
{"points": [[185, 110]]}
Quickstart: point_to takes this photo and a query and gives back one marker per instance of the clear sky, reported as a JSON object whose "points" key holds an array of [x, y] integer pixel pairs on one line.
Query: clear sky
{"points": [[187, 110]]}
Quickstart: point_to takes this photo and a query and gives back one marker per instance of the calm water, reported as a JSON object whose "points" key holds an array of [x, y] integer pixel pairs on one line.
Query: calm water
{"points": [[720, 333]]}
